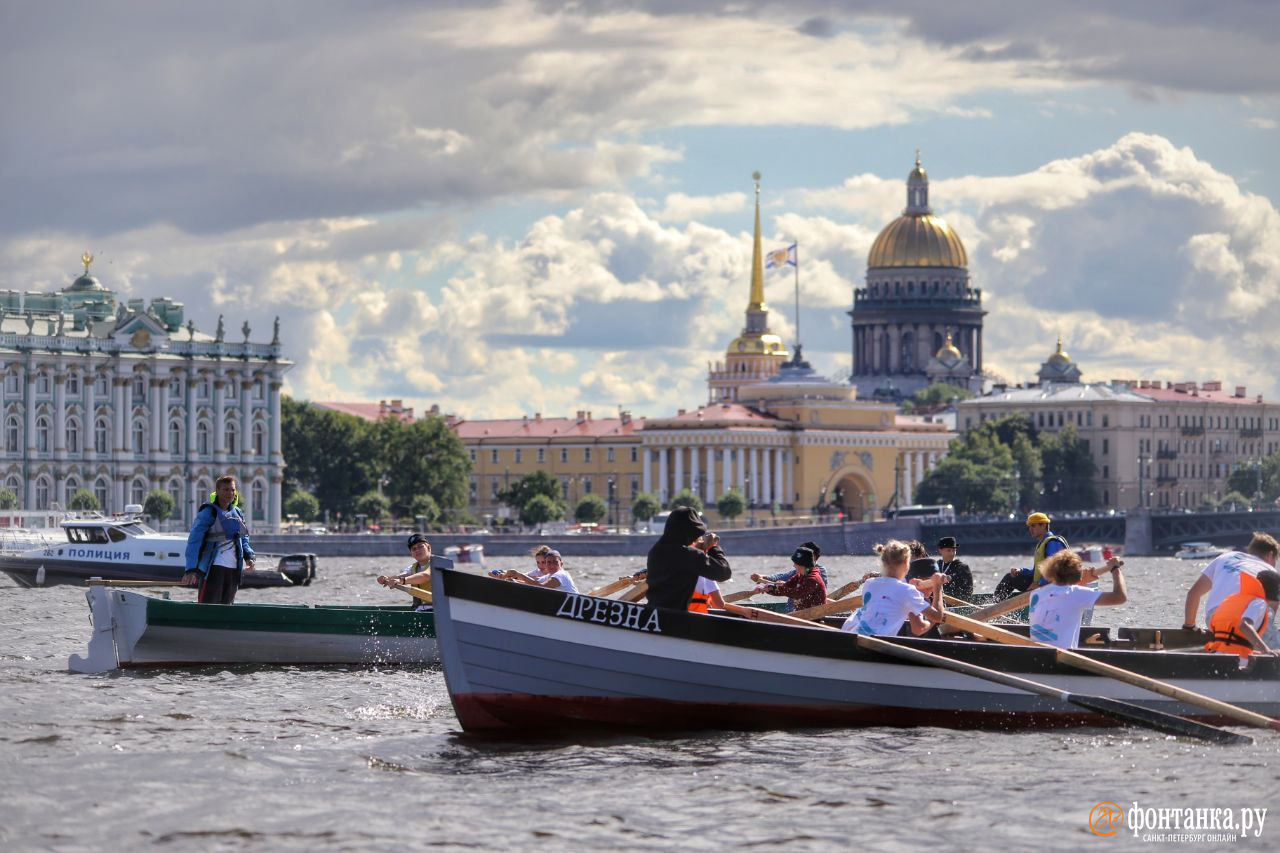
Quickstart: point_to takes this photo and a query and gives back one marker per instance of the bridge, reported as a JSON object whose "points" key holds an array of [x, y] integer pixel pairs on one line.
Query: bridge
{"points": [[1141, 532]]}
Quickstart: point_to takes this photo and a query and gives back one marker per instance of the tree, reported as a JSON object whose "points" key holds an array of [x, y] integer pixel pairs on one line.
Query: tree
{"points": [[302, 504], [523, 490], [1068, 471], [329, 454], [84, 501], [159, 505], [1232, 500], [938, 394], [8, 500], [424, 457], [426, 508], [645, 506], [685, 497], [969, 485], [731, 504], [590, 509], [540, 509], [373, 505], [1263, 475]]}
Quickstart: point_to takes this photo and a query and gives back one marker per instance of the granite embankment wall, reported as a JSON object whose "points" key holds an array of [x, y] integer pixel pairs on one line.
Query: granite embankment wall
{"points": [[852, 538]]}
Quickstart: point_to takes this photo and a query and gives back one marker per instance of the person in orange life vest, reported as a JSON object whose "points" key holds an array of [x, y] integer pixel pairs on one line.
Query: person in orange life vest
{"points": [[1221, 578], [806, 588], [707, 597], [418, 574], [1239, 622], [1058, 607], [218, 547]]}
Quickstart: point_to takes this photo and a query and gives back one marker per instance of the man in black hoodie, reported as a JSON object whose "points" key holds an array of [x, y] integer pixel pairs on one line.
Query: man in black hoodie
{"points": [[684, 553]]}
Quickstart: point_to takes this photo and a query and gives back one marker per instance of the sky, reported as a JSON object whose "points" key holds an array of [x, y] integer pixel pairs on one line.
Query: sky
{"points": [[516, 207]]}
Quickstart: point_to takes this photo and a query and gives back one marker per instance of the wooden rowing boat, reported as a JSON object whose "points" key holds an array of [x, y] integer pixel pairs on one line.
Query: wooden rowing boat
{"points": [[517, 657], [134, 630]]}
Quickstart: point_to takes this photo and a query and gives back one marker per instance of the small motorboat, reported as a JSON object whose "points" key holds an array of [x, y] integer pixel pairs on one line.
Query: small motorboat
{"points": [[1199, 551], [125, 548], [473, 554]]}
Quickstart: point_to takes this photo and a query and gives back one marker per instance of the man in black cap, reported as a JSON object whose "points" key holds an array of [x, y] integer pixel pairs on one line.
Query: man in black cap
{"points": [[684, 553], [418, 574], [787, 574], [806, 588], [960, 583]]}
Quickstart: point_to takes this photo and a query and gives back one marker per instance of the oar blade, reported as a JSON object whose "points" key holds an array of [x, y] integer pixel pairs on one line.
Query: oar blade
{"points": [[1158, 720]]}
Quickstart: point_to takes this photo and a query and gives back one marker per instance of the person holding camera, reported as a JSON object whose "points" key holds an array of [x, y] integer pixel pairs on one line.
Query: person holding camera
{"points": [[684, 553]]}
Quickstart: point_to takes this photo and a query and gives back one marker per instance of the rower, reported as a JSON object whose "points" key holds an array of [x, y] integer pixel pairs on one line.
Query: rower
{"points": [[552, 576], [959, 577], [888, 601], [805, 588], [1240, 620], [418, 574], [1221, 579], [1047, 544], [788, 574], [1058, 608], [707, 597], [685, 552]]}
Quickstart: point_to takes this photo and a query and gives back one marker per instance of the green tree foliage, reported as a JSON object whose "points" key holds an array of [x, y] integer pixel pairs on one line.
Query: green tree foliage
{"points": [[425, 506], [83, 500], [302, 504], [373, 505], [590, 509], [1247, 479], [975, 476], [1232, 500], [646, 506], [8, 500], [685, 497], [523, 490], [731, 504], [159, 504], [540, 509], [424, 457], [938, 394], [1068, 471]]}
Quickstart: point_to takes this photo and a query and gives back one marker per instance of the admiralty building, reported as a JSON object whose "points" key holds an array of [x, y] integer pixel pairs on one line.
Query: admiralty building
{"points": [[121, 398]]}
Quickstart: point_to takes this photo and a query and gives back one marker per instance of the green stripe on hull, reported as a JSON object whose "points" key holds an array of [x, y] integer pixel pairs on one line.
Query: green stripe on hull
{"points": [[386, 621]]}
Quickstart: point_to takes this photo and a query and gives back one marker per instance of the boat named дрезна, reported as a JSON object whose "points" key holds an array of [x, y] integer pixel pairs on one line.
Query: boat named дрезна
{"points": [[124, 548], [522, 658], [133, 630]]}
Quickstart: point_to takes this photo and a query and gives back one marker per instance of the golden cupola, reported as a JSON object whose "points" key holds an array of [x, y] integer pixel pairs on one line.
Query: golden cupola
{"points": [[917, 238], [949, 353]]}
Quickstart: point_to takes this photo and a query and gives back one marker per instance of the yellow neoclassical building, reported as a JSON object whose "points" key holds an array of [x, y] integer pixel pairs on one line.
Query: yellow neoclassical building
{"points": [[789, 440]]}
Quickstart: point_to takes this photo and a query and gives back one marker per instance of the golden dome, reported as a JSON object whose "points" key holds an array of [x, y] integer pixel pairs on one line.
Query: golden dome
{"points": [[757, 344], [914, 240], [1060, 358], [948, 353]]}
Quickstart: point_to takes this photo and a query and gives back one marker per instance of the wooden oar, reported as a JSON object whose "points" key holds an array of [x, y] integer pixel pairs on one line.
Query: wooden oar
{"points": [[1129, 713], [844, 605], [845, 590], [1080, 661], [610, 588], [956, 602], [636, 592], [743, 595], [761, 615], [101, 582], [420, 594]]}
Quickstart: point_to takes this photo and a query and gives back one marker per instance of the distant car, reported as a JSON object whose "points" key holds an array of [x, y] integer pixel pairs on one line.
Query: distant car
{"points": [[317, 531]]}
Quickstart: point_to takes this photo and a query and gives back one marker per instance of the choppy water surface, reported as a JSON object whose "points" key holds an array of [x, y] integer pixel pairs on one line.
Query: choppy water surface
{"points": [[236, 758]]}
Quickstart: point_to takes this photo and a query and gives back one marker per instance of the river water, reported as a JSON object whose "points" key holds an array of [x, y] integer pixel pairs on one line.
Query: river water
{"points": [[353, 759]]}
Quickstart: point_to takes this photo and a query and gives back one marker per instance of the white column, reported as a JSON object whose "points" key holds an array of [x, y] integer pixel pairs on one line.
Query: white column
{"points": [[710, 495], [788, 478], [246, 420], [88, 381], [118, 496], [678, 452], [60, 413], [646, 468], [779, 490], [190, 383], [220, 421], [277, 452], [726, 477], [120, 415], [60, 489], [662, 476], [742, 471], [158, 402], [757, 490], [902, 480], [694, 485], [766, 494]]}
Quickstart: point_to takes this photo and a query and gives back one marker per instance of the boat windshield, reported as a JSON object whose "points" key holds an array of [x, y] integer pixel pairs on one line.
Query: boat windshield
{"points": [[92, 535], [136, 528]]}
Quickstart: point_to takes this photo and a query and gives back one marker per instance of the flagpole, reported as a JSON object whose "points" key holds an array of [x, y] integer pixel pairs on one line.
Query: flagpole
{"points": [[797, 292]]}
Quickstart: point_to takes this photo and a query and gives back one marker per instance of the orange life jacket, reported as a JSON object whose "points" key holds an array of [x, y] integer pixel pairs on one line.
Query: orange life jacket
{"points": [[1226, 619], [700, 602]]}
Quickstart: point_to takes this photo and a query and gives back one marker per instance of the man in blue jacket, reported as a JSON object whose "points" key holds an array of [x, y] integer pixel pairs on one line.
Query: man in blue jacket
{"points": [[218, 546]]}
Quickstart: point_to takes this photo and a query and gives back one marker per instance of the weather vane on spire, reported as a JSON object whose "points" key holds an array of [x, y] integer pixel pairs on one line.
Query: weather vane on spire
{"points": [[86, 259], [917, 156]]}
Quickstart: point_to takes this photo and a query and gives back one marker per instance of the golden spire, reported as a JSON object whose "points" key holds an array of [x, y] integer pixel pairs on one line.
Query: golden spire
{"points": [[757, 259], [86, 259]]}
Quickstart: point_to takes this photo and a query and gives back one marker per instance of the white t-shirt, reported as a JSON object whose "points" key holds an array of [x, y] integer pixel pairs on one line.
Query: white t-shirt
{"points": [[1057, 611], [886, 602], [1224, 572], [566, 582], [705, 586], [225, 556]]}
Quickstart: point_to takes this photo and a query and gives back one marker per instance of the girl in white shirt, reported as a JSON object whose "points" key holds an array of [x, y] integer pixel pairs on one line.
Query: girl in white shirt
{"points": [[553, 575], [888, 601], [1058, 608]]}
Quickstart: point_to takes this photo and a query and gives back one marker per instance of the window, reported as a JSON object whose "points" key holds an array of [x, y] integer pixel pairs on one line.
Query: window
{"points": [[175, 437], [101, 437], [205, 389], [102, 385], [138, 491], [202, 438], [73, 435], [100, 492], [1106, 421], [11, 384], [42, 434], [635, 454], [1106, 446], [519, 455], [258, 496], [259, 390], [472, 496], [73, 384], [233, 438], [542, 454], [1106, 473], [586, 454], [42, 383], [586, 486], [175, 386], [564, 457], [12, 435], [493, 456], [139, 387], [493, 490], [259, 439], [609, 455], [473, 454], [139, 436], [175, 492], [635, 489], [42, 493]]}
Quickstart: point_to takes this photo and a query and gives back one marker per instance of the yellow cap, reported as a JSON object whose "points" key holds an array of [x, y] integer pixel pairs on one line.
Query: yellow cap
{"points": [[1037, 518]]}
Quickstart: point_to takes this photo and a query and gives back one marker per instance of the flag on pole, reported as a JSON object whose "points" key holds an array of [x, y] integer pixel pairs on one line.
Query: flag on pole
{"points": [[782, 257]]}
